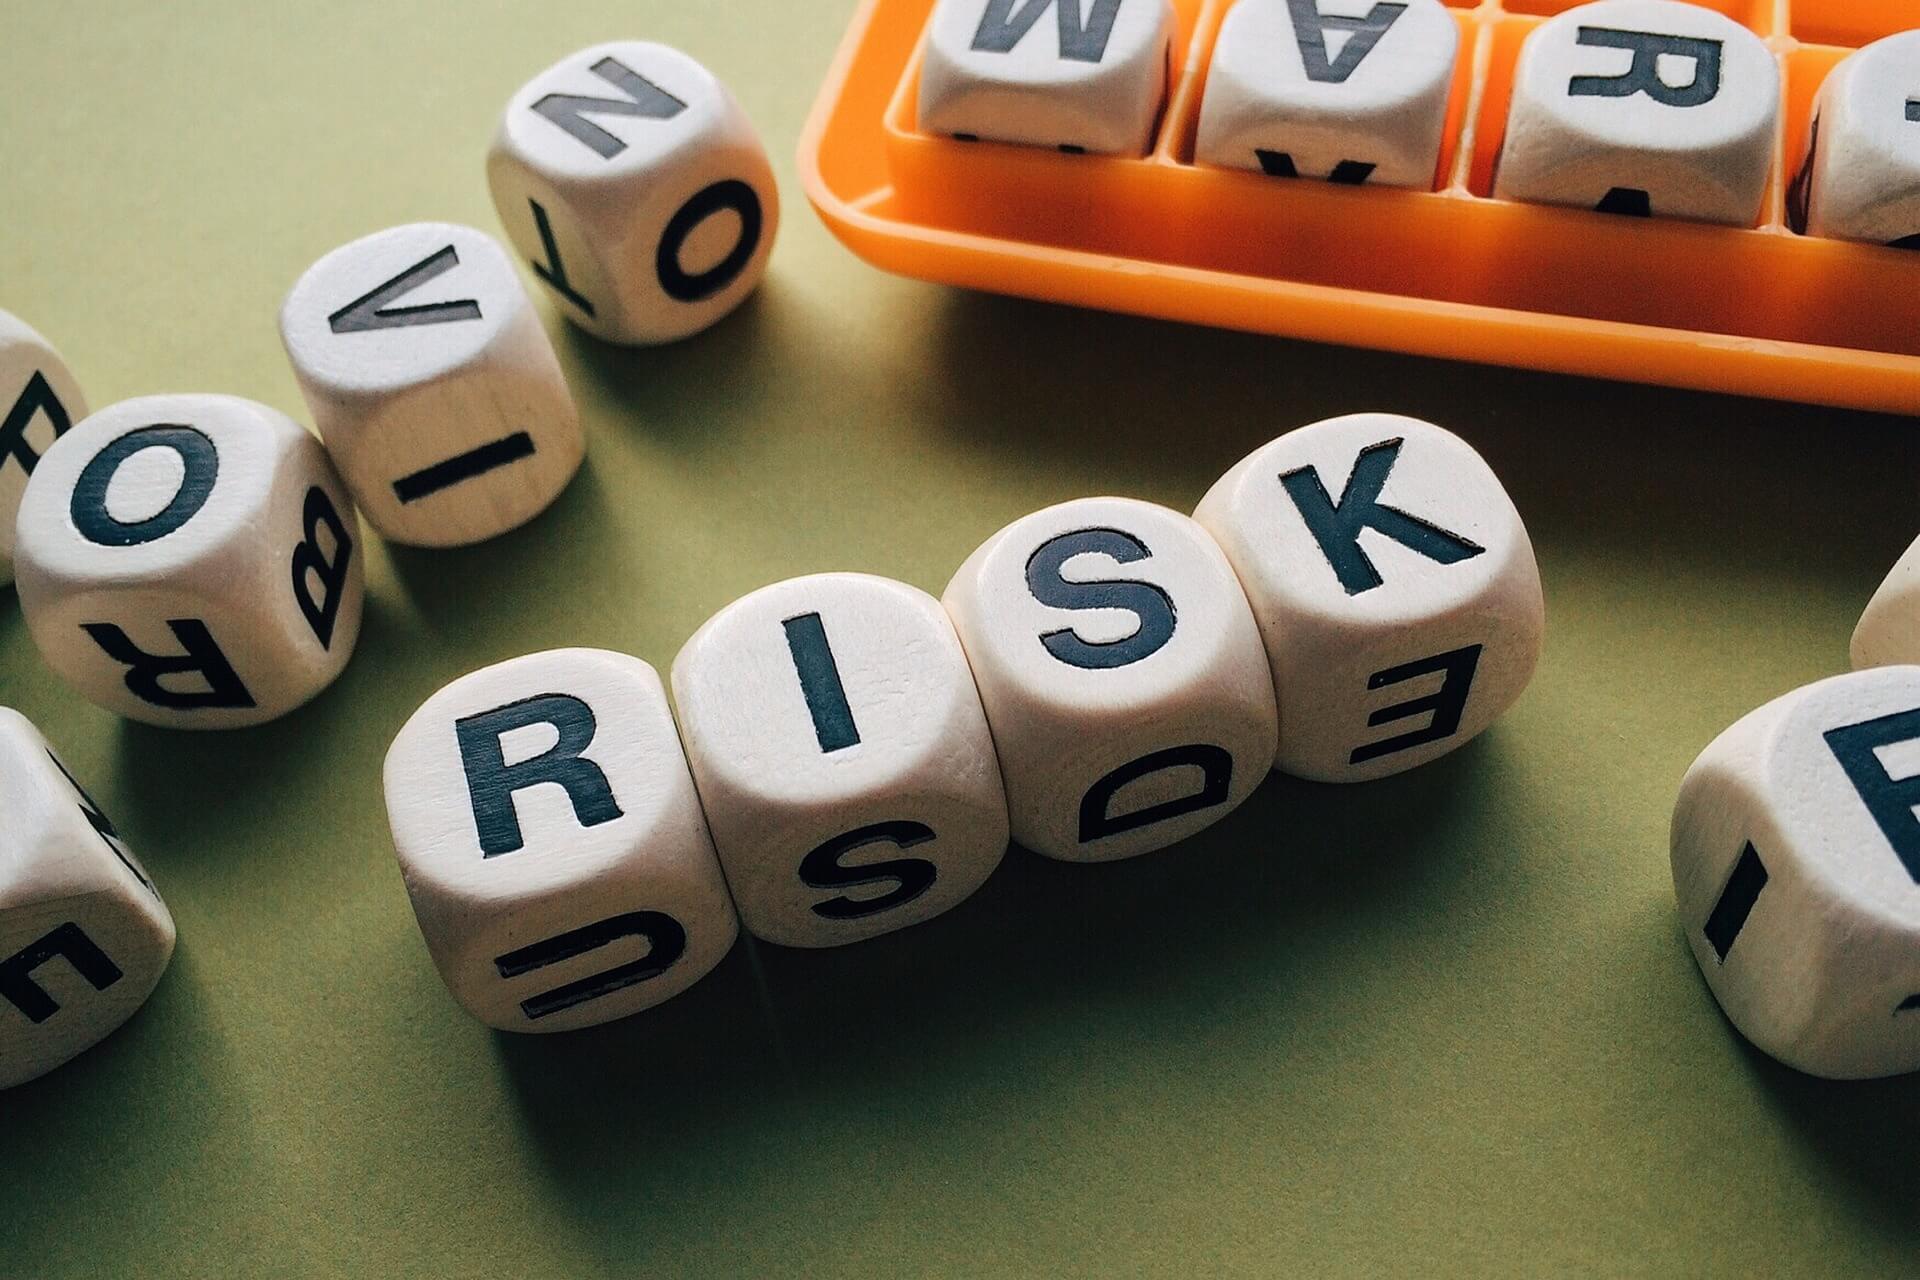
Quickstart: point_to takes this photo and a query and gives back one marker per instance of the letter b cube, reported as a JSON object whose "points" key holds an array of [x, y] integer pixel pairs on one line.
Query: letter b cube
{"points": [[552, 844]]}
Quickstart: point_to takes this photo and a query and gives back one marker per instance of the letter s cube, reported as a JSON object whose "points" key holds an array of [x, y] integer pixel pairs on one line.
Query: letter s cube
{"points": [[1796, 868], [191, 561], [552, 843], [84, 936], [1122, 676], [1395, 586], [636, 186]]}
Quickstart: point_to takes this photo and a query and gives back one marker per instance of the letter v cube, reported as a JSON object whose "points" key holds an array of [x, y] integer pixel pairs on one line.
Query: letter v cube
{"points": [[552, 843], [1395, 587]]}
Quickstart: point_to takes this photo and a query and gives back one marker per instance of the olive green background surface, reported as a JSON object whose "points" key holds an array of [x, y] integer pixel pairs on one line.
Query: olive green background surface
{"points": [[1441, 1024]]}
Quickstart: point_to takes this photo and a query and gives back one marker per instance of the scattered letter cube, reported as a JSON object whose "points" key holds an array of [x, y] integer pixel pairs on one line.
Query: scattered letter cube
{"points": [[1080, 75], [1643, 107], [1122, 675], [433, 384], [1395, 587], [39, 402], [1796, 866], [842, 757], [1351, 91], [552, 844], [636, 186], [192, 561], [84, 936], [1862, 176], [1889, 630]]}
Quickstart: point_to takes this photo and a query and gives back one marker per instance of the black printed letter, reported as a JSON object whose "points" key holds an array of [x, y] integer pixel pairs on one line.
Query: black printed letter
{"points": [[37, 397], [201, 467], [1310, 30], [1892, 801], [1145, 601], [644, 99], [1337, 528], [88, 960], [1216, 774], [1445, 703], [1644, 75], [911, 877], [1001, 28], [666, 936], [311, 565], [491, 781], [200, 655]]}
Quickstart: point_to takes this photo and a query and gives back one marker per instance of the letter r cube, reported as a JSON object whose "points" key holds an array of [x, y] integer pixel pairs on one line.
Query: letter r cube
{"points": [[552, 844]]}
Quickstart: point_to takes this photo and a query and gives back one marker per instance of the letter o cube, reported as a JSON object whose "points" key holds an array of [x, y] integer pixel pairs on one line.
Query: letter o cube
{"points": [[84, 936], [191, 561], [1122, 676], [1796, 868], [39, 403], [638, 189], [433, 384], [842, 757], [1395, 587], [1643, 107], [552, 843]]}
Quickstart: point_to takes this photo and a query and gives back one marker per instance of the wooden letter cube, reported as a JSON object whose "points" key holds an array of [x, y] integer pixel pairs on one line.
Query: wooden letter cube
{"points": [[1395, 587], [552, 844], [1861, 179], [39, 403], [1351, 91], [1643, 107], [1080, 75], [1122, 675], [638, 189], [192, 561], [1796, 866], [842, 756], [433, 384], [1889, 630], [84, 936]]}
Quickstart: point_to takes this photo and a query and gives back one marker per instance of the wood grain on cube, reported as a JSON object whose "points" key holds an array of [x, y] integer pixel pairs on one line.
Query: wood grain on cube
{"points": [[192, 561], [1055, 73], [1395, 587], [633, 183], [1861, 179], [84, 935], [1889, 629], [552, 843], [1351, 93], [1643, 107], [842, 756], [1122, 676], [433, 384], [1796, 868], [39, 403]]}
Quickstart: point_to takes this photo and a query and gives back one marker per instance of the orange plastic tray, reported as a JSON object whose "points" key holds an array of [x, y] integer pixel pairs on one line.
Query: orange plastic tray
{"points": [[1449, 272]]}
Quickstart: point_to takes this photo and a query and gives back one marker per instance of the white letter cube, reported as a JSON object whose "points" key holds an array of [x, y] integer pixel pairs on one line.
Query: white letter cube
{"points": [[636, 186], [1122, 675], [1889, 630], [1354, 91], [842, 756], [1796, 867], [1395, 587], [84, 936], [552, 843], [1861, 180], [191, 561], [433, 384], [1080, 75], [1644, 107]]}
